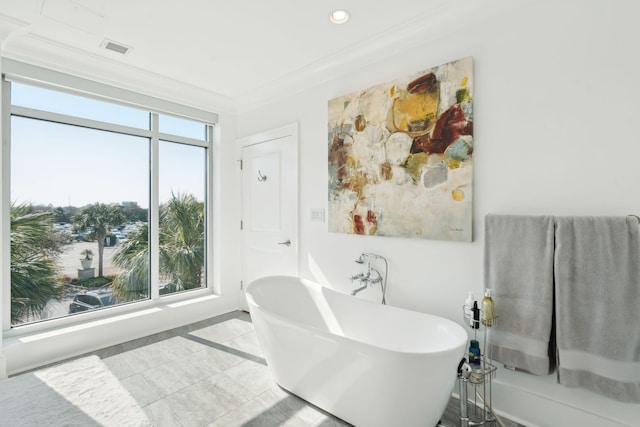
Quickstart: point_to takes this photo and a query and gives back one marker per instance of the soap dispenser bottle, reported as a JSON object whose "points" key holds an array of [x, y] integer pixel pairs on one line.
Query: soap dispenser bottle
{"points": [[487, 309], [476, 315], [474, 352], [468, 308]]}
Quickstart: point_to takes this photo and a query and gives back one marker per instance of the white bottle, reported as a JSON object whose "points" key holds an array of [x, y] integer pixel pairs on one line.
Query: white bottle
{"points": [[468, 308]]}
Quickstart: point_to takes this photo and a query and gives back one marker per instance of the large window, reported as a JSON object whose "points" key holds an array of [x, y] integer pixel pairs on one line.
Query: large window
{"points": [[98, 192]]}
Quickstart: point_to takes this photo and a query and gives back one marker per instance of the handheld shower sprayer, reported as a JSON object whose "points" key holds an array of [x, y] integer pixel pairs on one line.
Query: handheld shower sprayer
{"points": [[365, 255]]}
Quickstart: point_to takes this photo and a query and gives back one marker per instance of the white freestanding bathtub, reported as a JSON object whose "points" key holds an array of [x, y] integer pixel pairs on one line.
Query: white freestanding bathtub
{"points": [[369, 364]]}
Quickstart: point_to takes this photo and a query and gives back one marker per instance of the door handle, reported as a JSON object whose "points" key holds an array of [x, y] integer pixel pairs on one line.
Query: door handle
{"points": [[286, 243]]}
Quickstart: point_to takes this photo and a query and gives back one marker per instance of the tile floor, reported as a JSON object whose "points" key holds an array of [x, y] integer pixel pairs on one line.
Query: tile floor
{"points": [[212, 373]]}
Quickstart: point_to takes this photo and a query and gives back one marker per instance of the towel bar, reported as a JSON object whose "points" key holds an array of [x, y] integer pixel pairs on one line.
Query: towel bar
{"points": [[637, 217]]}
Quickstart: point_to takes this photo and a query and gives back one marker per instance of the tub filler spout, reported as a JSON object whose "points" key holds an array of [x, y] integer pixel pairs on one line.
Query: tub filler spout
{"points": [[362, 288]]}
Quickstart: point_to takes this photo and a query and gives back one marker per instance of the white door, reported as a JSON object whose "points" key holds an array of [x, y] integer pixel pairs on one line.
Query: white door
{"points": [[269, 206]]}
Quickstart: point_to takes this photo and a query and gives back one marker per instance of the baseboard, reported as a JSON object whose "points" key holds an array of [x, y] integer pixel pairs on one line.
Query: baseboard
{"points": [[3, 364], [540, 402]]}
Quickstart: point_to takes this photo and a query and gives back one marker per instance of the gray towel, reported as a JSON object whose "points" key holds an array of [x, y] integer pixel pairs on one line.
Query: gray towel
{"points": [[597, 270], [519, 268]]}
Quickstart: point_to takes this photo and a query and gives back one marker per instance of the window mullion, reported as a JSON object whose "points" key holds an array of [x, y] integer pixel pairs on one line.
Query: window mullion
{"points": [[209, 246], [154, 214], [183, 140], [5, 213], [48, 116]]}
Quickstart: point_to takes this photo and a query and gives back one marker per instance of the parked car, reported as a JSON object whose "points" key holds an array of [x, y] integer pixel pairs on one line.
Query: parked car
{"points": [[166, 288], [91, 300]]}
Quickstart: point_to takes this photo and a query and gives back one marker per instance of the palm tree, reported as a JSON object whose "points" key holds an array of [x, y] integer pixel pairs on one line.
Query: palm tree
{"points": [[98, 219], [182, 241], [133, 258], [34, 250], [181, 250]]}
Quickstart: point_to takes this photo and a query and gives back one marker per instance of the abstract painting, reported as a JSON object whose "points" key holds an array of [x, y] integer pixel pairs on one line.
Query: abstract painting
{"points": [[401, 156]]}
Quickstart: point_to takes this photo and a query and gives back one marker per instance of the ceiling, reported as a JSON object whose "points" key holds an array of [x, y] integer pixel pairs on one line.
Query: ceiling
{"points": [[235, 50]]}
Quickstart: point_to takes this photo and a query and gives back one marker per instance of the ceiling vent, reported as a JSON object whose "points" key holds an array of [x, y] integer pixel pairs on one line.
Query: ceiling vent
{"points": [[115, 47]]}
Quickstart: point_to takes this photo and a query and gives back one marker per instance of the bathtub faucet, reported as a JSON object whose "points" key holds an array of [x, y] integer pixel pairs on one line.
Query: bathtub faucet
{"points": [[374, 280], [357, 277], [372, 275], [362, 278]]}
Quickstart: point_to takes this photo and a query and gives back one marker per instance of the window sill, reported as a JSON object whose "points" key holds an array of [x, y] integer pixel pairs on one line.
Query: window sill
{"points": [[30, 346], [107, 314]]}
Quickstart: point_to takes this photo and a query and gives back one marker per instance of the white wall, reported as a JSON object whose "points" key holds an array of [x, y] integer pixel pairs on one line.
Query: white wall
{"points": [[556, 107]]}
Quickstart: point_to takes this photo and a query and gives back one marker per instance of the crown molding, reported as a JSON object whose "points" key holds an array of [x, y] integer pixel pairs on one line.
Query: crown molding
{"points": [[9, 25], [442, 21], [48, 53]]}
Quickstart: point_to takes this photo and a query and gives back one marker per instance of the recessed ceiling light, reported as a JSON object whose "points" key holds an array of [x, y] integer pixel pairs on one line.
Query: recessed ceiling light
{"points": [[339, 16]]}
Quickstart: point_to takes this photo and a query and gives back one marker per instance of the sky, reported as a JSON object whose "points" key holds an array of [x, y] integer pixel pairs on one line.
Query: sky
{"points": [[65, 165]]}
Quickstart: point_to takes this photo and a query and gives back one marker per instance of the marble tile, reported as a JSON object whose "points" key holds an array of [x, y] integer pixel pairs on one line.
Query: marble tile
{"points": [[224, 331], [161, 415], [247, 343], [223, 358], [184, 341], [209, 322], [120, 365], [171, 377], [256, 413], [230, 348], [177, 346], [140, 359], [244, 316], [161, 352], [254, 376], [207, 400], [200, 364], [108, 351], [148, 340], [140, 390], [291, 405], [329, 421]]}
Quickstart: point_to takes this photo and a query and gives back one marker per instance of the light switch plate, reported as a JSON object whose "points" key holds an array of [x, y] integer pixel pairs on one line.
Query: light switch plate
{"points": [[317, 214]]}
